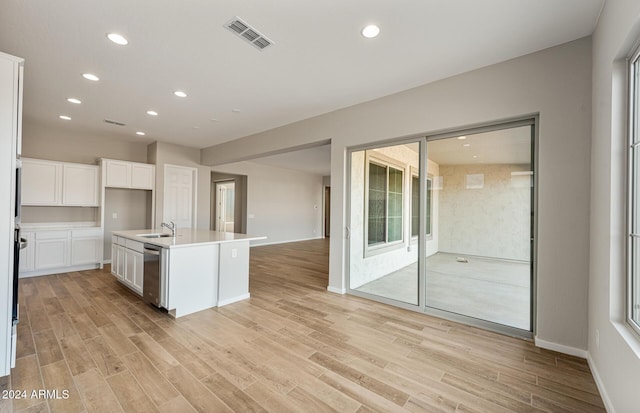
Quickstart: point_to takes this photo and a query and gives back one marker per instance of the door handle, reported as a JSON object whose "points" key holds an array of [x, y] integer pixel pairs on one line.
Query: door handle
{"points": [[23, 243]]}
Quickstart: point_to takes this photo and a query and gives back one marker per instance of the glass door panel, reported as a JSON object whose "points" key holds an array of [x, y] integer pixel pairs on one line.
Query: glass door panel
{"points": [[480, 223], [384, 221]]}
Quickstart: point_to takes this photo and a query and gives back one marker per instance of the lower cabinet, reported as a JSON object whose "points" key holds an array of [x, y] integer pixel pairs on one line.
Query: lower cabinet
{"points": [[134, 268], [85, 247], [127, 262], [56, 251], [52, 250]]}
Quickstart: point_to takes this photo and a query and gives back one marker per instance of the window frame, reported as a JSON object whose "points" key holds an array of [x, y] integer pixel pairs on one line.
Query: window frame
{"points": [[633, 199], [429, 200], [386, 162]]}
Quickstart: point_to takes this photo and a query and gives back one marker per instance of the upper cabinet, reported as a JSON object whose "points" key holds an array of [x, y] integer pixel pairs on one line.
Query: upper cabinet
{"points": [[79, 184], [41, 182], [51, 183], [133, 175]]}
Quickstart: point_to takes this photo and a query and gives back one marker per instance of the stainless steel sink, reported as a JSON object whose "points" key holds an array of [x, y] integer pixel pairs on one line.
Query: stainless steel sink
{"points": [[154, 235]]}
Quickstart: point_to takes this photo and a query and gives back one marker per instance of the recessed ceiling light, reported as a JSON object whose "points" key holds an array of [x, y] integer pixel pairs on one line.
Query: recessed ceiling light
{"points": [[90, 76], [196, 127], [64, 117], [140, 133], [462, 138], [213, 120], [370, 31], [117, 39], [152, 113], [475, 156], [180, 94], [74, 100], [466, 145], [235, 110]]}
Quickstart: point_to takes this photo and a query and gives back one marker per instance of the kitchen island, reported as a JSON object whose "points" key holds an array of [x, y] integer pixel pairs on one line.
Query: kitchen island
{"points": [[196, 269]]}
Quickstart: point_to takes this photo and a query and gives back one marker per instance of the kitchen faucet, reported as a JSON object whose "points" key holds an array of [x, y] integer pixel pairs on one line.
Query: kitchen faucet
{"points": [[171, 227]]}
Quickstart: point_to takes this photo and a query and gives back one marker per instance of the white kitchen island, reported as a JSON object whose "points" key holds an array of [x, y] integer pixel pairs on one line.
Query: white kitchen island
{"points": [[199, 269]]}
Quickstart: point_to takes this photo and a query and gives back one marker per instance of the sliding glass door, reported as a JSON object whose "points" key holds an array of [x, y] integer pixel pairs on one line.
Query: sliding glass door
{"points": [[445, 224], [385, 201]]}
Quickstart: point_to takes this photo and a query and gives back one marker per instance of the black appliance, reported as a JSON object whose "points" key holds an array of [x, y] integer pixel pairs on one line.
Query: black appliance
{"points": [[18, 244]]}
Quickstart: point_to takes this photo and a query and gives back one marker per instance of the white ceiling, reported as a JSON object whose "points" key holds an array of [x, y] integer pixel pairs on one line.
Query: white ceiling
{"points": [[319, 62]]}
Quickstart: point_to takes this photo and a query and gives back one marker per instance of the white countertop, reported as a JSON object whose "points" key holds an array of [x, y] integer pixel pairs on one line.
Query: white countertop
{"points": [[32, 226], [185, 237]]}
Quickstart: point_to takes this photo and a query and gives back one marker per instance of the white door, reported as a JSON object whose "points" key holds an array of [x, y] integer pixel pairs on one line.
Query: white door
{"points": [[225, 205], [179, 195]]}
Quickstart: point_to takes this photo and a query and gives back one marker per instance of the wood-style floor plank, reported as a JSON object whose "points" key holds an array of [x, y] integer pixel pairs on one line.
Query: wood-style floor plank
{"points": [[291, 347]]}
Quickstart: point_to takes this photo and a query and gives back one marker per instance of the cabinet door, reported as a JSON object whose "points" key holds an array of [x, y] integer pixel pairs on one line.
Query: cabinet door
{"points": [[27, 254], [84, 251], [51, 253], [130, 266], [114, 260], [138, 274], [118, 174], [142, 176], [79, 185], [41, 182], [120, 269]]}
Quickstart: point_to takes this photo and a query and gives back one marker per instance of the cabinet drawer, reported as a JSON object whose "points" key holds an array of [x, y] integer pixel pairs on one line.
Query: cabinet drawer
{"points": [[134, 245], [52, 235], [116, 240]]}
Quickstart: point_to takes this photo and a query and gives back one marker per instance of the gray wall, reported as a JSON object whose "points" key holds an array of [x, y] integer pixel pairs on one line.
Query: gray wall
{"points": [[616, 360], [133, 209], [494, 221], [282, 204], [556, 83], [68, 146]]}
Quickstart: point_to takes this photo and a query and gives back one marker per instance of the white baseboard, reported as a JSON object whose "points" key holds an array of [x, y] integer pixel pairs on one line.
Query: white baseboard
{"points": [[336, 290], [561, 348], [233, 300], [285, 242], [62, 270], [603, 392]]}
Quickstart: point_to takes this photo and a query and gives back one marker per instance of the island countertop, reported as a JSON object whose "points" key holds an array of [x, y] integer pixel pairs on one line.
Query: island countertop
{"points": [[185, 237]]}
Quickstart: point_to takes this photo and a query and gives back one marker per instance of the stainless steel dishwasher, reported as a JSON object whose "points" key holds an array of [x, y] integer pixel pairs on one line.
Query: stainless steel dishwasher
{"points": [[152, 273]]}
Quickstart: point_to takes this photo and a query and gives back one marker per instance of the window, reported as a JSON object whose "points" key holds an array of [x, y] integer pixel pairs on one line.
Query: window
{"points": [[415, 206], [385, 190], [633, 248]]}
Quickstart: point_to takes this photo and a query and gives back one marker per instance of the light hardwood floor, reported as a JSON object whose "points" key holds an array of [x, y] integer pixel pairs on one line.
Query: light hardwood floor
{"points": [[292, 347]]}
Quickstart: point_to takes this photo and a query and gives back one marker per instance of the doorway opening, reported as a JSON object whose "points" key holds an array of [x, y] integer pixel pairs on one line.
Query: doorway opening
{"points": [[446, 225], [228, 202], [225, 206]]}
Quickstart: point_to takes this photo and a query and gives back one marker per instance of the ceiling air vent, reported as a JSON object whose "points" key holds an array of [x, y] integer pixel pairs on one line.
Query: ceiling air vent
{"points": [[113, 122], [248, 33]]}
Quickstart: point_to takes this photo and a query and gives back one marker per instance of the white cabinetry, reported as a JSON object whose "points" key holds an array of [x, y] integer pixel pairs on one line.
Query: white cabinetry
{"points": [[52, 249], [41, 182], [132, 175], [61, 250], [79, 185], [51, 183], [127, 262], [85, 246]]}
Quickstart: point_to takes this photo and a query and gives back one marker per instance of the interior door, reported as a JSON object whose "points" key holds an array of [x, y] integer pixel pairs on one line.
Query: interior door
{"points": [[179, 195]]}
